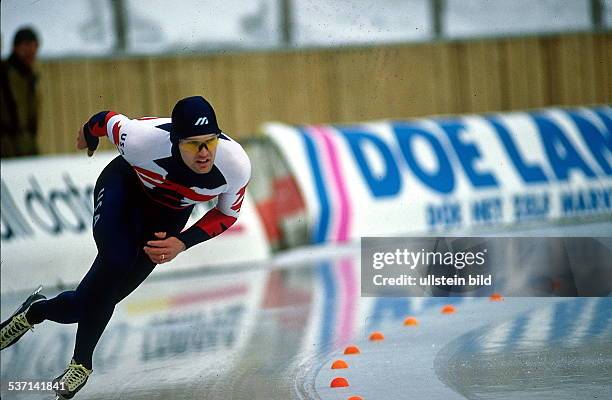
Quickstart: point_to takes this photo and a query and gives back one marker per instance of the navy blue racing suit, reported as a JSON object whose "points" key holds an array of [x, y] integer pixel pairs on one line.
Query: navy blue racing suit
{"points": [[146, 189]]}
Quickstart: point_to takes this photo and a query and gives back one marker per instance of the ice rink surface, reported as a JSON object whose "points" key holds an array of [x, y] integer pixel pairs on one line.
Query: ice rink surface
{"points": [[273, 331]]}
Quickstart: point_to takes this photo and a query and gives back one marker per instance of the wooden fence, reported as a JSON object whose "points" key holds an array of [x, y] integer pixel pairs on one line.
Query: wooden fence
{"points": [[332, 85]]}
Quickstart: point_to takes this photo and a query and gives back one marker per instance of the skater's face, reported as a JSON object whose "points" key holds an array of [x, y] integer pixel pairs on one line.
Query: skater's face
{"points": [[198, 152]]}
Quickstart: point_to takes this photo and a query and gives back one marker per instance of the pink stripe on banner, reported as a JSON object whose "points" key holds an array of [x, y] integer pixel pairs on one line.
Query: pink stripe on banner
{"points": [[346, 271], [344, 206]]}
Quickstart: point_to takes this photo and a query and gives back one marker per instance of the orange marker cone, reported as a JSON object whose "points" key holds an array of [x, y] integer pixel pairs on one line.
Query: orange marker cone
{"points": [[339, 382], [352, 350], [411, 321], [355, 398], [376, 336], [496, 297], [339, 364], [448, 309]]}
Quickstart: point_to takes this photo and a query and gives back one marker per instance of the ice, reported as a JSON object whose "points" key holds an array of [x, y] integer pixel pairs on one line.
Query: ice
{"points": [[272, 332]]}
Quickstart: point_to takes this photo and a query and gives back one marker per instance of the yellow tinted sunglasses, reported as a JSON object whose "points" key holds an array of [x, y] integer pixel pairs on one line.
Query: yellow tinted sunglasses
{"points": [[195, 146]]}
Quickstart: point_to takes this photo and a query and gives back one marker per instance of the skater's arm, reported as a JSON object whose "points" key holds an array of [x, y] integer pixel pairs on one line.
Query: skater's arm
{"points": [[227, 210], [104, 123], [212, 224], [216, 221]]}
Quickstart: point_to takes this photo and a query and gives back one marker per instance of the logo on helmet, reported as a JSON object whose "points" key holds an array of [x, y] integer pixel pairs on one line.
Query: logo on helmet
{"points": [[202, 121]]}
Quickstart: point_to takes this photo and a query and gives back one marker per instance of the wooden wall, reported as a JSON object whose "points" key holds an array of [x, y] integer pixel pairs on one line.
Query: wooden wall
{"points": [[332, 85]]}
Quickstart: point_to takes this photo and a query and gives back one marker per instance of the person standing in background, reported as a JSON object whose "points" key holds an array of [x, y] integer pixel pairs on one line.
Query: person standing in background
{"points": [[19, 97]]}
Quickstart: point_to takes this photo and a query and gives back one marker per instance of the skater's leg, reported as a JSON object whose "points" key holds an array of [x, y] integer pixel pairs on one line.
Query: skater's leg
{"points": [[66, 307], [100, 306], [93, 324], [63, 308], [118, 230], [144, 267], [111, 196], [156, 219]]}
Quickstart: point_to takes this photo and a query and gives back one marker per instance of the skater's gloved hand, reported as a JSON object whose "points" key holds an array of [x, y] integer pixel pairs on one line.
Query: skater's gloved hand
{"points": [[82, 144], [165, 249]]}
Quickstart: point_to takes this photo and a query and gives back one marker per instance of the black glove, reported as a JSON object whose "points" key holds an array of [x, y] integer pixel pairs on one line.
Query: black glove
{"points": [[92, 141]]}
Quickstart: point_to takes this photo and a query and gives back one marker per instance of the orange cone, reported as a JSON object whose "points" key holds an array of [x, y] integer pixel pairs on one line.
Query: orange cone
{"points": [[355, 398], [339, 382], [339, 364], [448, 309], [496, 297], [376, 336], [352, 350], [411, 321]]}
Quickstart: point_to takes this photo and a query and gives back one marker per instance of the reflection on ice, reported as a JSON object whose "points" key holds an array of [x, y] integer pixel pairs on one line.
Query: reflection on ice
{"points": [[560, 351], [243, 334]]}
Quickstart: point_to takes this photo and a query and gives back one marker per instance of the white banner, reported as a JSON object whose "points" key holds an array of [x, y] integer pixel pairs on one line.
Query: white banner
{"points": [[448, 174], [46, 213]]}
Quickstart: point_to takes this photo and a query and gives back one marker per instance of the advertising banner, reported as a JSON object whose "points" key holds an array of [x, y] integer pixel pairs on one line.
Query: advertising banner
{"points": [[444, 174]]}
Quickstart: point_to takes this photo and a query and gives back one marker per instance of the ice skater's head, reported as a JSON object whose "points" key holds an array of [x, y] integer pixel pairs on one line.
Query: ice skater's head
{"points": [[196, 133]]}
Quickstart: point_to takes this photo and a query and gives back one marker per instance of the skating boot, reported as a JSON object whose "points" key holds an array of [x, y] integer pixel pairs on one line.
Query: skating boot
{"points": [[71, 381], [17, 325]]}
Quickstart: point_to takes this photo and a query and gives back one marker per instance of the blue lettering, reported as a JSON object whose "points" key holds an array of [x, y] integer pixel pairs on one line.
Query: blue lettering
{"points": [[442, 180], [593, 200], [529, 173], [580, 204], [605, 114], [567, 203], [531, 206], [446, 215], [600, 143], [386, 185], [600, 199], [467, 154], [561, 154], [487, 210]]}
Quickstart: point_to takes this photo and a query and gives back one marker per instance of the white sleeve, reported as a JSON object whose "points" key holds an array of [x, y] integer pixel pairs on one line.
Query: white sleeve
{"points": [[229, 203]]}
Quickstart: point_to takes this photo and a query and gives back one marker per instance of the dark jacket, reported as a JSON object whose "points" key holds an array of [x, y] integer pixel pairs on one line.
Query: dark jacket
{"points": [[19, 106]]}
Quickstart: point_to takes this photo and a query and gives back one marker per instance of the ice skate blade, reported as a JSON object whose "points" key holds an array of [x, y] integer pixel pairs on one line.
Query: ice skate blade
{"points": [[38, 289]]}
